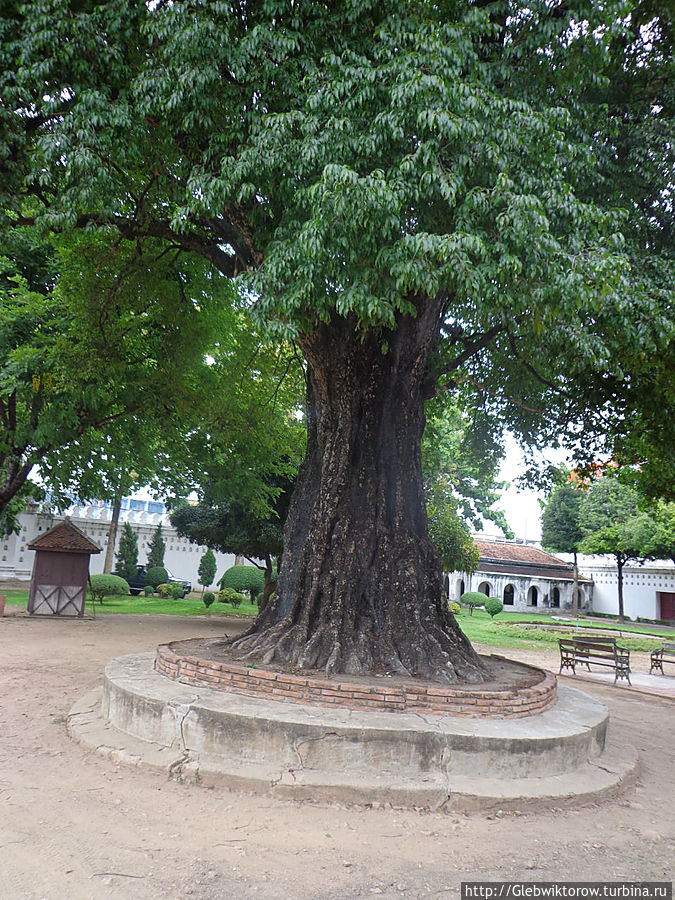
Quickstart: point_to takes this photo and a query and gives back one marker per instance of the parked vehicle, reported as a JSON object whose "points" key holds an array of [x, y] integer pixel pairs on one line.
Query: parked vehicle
{"points": [[137, 583]]}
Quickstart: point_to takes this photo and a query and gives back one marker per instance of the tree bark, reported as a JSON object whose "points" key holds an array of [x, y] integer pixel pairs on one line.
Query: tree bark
{"points": [[112, 535], [619, 573], [575, 589], [360, 591]]}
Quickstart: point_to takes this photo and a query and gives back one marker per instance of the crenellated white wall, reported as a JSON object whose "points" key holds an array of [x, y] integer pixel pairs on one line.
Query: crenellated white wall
{"points": [[181, 557]]}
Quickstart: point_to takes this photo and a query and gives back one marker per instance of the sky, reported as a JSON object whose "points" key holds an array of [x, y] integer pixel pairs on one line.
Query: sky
{"points": [[521, 506]]}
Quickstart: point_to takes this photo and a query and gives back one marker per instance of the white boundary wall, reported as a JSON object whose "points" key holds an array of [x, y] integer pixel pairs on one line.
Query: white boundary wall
{"points": [[180, 556]]}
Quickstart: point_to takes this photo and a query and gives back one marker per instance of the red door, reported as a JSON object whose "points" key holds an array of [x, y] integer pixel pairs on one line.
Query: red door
{"points": [[667, 605]]}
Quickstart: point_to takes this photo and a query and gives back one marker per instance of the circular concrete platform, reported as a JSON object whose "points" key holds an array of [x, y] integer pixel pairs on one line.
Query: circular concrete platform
{"points": [[564, 755]]}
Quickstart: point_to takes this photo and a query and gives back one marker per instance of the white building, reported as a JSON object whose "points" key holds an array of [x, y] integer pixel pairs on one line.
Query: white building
{"points": [[648, 589], [181, 557], [522, 577]]}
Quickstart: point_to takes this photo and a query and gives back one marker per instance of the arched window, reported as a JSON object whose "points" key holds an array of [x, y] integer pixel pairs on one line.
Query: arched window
{"points": [[484, 588], [532, 596], [555, 598], [509, 595]]}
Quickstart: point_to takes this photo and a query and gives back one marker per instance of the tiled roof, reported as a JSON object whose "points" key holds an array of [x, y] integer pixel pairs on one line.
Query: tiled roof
{"points": [[66, 538], [505, 551]]}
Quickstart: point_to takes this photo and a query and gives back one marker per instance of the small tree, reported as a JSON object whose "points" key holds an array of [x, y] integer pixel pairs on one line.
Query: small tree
{"points": [[493, 606], [244, 578], [472, 599], [156, 576], [207, 569], [612, 525], [157, 548], [561, 530], [126, 561], [101, 586]]}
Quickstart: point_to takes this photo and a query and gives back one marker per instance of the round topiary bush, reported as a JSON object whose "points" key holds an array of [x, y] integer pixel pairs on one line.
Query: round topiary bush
{"points": [[229, 595], [209, 598], [493, 606], [244, 578], [107, 586], [148, 590], [176, 591], [454, 608], [472, 599], [164, 591], [156, 575]]}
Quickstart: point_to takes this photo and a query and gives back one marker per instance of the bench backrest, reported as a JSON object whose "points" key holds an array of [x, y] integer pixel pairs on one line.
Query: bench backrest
{"points": [[602, 648], [668, 648]]}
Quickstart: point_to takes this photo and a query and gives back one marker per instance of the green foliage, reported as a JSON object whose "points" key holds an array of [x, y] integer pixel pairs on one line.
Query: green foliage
{"points": [[561, 530], [454, 608], [107, 585], [156, 576], [229, 595], [164, 591], [489, 160], [448, 533], [460, 461], [207, 568], [126, 561], [473, 599], [176, 591], [148, 590], [610, 520], [156, 551], [244, 578], [493, 606], [209, 598]]}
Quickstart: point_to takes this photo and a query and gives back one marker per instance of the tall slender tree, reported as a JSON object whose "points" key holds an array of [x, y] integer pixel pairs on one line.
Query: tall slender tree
{"points": [[157, 548], [127, 553], [561, 529]]}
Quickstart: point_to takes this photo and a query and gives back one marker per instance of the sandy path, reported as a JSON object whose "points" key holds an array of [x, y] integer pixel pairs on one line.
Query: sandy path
{"points": [[75, 825]]}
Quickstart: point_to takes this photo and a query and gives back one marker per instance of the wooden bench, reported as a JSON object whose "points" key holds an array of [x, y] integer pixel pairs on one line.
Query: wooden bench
{"points": [[601, 651], [666, 653]]}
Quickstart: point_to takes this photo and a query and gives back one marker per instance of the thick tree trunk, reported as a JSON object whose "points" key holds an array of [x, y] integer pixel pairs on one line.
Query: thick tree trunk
{"points": [[360, 591]]}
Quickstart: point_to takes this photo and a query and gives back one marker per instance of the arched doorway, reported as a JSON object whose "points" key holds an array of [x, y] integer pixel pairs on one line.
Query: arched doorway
{"points": [[460, 589], [555, 598], [484, 588], [532, 596], [509, 595]]}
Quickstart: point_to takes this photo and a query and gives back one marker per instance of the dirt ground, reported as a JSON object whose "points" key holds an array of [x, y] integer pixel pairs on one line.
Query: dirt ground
{"points": [[76, 825]]}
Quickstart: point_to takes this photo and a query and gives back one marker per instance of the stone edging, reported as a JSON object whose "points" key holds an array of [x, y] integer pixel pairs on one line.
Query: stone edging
{"points": [[337, 692]]}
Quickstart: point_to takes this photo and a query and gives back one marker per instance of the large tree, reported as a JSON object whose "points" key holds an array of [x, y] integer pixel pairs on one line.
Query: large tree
{"points": [[425, 196]]}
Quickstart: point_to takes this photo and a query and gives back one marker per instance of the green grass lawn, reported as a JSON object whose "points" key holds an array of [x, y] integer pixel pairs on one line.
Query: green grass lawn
{"points": [[188, 606], [502, 631]]}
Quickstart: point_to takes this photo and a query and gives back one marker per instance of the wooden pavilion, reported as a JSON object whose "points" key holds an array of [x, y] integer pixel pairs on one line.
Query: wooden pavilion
{"points": [[58, 585]]}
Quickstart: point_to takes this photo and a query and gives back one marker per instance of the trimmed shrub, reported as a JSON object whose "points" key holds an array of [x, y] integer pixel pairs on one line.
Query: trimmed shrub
{"points": [[228, 595], [107, 585], [493, 606], [148, 590], [176, 591], [156, 576], [209, 598], [244, 578], [454, 608], [164, 591], [472, 599]]}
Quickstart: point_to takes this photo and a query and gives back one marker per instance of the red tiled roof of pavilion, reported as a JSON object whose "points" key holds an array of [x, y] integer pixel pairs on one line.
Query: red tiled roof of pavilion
{"points": [[505, 550], [66, 538]]}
